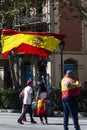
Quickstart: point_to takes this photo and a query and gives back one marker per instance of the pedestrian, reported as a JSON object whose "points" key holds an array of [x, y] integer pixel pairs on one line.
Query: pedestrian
{"points": [[41, 99], [27, 101], [70, 90], [21, 96]]}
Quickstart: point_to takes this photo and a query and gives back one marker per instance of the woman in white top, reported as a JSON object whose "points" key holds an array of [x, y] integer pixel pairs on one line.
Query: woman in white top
{"points": [[41, 99]]}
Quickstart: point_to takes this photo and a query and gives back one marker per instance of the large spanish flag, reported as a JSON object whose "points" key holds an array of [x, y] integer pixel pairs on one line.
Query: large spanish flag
{"points": [[38, 43]]}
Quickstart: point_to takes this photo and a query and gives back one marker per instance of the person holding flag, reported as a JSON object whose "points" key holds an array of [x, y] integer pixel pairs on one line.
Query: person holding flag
{"points": [[70, 88]]}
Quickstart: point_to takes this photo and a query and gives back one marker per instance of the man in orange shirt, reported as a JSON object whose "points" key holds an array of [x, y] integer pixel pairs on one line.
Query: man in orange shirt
{"points": [[70, 90]]}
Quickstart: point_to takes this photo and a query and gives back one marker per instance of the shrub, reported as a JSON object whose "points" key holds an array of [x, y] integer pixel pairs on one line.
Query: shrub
{"points": [[56, 97], [10, 99], [82, 100], [82, 104]]}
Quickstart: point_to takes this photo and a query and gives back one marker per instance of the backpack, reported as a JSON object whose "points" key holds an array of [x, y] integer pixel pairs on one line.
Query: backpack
{"points": [[21, 95]]}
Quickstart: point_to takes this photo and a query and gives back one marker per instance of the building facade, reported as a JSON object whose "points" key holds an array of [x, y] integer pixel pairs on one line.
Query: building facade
{"points": [[74, 54]]}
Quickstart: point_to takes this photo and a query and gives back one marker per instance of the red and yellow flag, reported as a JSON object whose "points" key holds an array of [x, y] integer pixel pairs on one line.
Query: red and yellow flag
{"points": [[38, 43]]}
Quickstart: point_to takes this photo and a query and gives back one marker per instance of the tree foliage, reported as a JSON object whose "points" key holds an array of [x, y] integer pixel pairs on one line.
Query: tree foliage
{"points": [[11, 8]]}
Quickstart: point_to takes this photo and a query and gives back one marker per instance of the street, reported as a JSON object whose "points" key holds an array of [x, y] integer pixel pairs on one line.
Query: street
{"points": [[8, 121]]}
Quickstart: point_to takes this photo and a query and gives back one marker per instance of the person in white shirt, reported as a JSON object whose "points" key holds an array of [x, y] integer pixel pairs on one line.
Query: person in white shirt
{"points": [[27, 101]]}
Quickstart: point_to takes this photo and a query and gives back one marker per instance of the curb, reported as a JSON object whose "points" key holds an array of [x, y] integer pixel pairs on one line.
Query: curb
{"points": [[56, 113], [10, 111]]}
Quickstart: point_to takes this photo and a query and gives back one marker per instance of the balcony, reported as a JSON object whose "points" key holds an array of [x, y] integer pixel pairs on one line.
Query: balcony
{"points": [[23, 21]]}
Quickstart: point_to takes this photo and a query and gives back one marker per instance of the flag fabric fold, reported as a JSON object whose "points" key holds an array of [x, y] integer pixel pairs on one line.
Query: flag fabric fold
{"points": [[38, 43]]}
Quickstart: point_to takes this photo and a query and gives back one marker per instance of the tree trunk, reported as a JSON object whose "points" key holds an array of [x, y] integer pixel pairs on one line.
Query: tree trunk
{"points": [[13, 76]]}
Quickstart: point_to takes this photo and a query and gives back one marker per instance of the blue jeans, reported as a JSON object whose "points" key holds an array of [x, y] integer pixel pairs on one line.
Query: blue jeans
{"points": [[27, 109], [70, 107]]}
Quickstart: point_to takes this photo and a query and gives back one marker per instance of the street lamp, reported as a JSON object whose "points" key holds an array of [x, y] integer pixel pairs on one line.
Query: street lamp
{"points": [[61, 47]]}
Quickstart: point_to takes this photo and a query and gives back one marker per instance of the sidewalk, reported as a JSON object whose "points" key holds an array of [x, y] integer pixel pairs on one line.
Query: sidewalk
{"points": [[8, 121]]}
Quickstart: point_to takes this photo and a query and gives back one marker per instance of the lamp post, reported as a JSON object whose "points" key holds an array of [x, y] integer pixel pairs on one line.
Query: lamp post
{"points": [[61, 47]]}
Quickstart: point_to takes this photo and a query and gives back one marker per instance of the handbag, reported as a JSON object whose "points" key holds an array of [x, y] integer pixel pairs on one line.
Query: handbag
{"points": [[34, 104]]}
